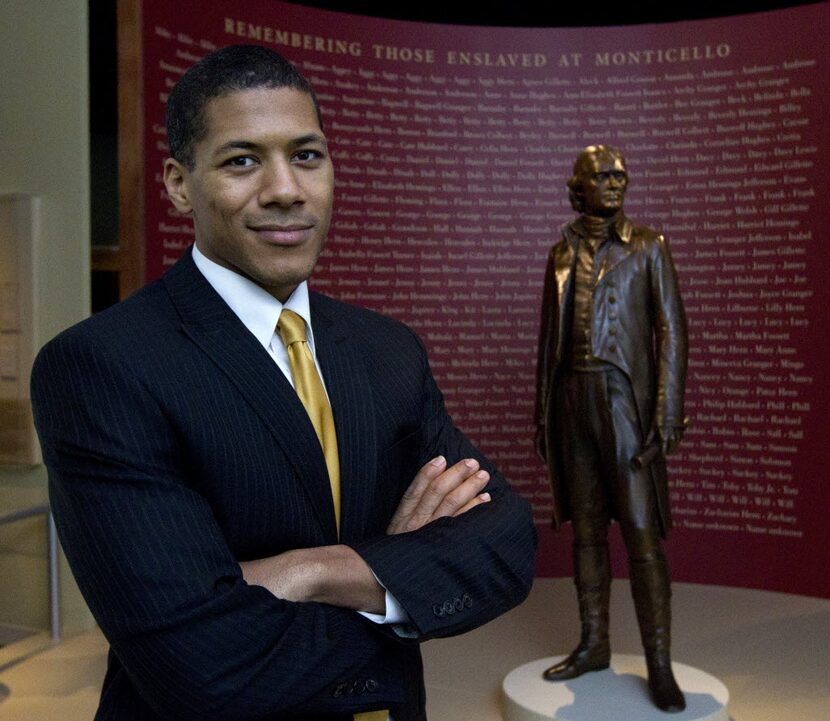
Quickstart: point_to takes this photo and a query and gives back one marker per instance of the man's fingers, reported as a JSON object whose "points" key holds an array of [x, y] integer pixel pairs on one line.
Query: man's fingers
{"points": [[412, 496], [445, 489], [428, 473], [457, 497], [472, 503], [435, 494]]}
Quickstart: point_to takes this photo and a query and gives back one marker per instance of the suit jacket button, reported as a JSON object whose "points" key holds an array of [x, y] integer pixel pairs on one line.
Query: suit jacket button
{"points": [[339, 690], [371, 685], [438, 610], [449, 609], [612, 348], [467, 599], [459, 604]]}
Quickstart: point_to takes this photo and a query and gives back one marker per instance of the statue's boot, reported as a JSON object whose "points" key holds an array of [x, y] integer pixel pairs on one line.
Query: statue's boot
{"points": [[651, 590], [592, 575]]}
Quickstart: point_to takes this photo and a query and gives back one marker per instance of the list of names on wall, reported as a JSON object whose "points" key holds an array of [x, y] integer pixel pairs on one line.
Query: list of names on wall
{"points": [[451, 166]]}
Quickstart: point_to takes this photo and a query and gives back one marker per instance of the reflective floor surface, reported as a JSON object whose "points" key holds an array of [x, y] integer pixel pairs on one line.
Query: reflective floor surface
{"points": [[771, 650]]}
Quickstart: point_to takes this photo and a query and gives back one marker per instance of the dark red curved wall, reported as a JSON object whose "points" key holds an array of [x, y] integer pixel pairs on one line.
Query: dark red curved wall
{"points": [[452, 146]]}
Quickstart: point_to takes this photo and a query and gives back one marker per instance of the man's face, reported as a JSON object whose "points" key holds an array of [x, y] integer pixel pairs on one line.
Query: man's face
{"points": [[604, 180], [260, 190]]}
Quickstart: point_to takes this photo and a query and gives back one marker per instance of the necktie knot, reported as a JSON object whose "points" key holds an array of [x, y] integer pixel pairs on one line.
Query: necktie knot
{"points": [[291, 328]]}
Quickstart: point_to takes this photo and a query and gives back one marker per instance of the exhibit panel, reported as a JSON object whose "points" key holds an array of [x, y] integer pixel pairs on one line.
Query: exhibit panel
{"points": [[452, 146]]}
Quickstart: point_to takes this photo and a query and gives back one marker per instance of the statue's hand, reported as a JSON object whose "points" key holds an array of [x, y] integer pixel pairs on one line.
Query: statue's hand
{"points": [[670, 437]]}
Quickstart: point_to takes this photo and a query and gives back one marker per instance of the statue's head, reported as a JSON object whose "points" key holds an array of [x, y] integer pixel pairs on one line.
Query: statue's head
{"points": [[599, 181]]}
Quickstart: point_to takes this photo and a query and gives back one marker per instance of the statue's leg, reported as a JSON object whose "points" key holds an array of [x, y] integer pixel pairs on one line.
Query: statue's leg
{"points": [[582, 441], [651, 591], [592, 576], [635, 507]]}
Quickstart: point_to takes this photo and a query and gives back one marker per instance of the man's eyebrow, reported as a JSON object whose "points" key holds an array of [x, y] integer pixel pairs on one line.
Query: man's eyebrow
{"points": [[310, 138], [235, 145], [250, 145]]}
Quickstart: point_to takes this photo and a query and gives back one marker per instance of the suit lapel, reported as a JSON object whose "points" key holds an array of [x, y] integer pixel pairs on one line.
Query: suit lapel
{"points": [[215, 329], [617, 251], [350, 392]]}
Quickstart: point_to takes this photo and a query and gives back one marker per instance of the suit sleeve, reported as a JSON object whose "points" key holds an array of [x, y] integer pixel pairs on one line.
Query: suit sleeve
{"points": [[195, 640], [455, 574]]}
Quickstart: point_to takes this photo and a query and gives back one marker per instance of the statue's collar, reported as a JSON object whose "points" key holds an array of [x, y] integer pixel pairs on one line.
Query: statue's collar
{"points": [[622, 228]]}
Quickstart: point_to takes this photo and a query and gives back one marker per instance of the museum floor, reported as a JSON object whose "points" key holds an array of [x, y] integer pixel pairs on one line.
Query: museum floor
{"points": [[772, 651]]}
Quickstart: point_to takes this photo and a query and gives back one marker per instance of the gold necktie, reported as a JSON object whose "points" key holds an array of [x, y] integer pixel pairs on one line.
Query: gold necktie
{"points": [[309, 387]]}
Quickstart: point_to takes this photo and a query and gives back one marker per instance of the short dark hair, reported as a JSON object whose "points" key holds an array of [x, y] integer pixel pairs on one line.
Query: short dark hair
{"points": [[585, 162], [235, 67]]}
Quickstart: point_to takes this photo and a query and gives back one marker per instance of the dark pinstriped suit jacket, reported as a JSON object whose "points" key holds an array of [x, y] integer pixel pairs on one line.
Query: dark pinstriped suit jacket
{"points": [[175, 448]]}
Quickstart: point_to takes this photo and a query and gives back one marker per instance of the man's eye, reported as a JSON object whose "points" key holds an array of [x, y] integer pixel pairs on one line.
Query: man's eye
{"points": [[240, 161], [307, 156]]}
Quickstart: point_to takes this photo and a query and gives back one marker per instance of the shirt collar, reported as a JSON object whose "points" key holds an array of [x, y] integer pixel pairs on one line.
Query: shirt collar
{"points": [[258, 310]]}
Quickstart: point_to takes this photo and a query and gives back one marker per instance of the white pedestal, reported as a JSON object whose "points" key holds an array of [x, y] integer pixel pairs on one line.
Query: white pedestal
{"points": [[619, 693]]}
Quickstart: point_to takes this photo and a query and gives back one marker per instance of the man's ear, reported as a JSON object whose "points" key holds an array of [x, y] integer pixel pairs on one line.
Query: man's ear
{"points": [[175, 180]]}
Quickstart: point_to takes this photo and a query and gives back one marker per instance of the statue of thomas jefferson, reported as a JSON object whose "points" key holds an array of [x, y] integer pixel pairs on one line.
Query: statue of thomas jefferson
{"points": [[609, 407]]}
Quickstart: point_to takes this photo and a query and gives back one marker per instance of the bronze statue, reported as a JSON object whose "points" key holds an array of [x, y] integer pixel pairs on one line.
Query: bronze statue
{"points": [[609, 407]]}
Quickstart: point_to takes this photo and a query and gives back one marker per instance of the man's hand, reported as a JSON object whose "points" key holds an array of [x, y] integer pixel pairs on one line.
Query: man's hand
{"points": [[337, 575], [326, 574], [438, 491]]}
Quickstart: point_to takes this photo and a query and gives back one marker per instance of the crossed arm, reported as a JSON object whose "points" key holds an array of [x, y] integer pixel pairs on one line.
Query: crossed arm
{"points": [[337, 574]]}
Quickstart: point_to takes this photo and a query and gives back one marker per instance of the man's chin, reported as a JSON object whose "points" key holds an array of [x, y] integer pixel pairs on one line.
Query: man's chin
{"points": [[281, 284]]}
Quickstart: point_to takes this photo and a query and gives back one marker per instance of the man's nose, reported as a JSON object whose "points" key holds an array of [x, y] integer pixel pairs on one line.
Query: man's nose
{"points": [[279, 185]]}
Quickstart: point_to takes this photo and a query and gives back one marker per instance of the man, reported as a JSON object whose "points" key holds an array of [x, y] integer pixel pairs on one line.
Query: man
{"points": [[242, 561], [609, 406]]}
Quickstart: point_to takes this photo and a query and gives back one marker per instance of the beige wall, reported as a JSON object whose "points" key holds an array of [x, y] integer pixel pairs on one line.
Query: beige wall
{"points": [[44, 146]]}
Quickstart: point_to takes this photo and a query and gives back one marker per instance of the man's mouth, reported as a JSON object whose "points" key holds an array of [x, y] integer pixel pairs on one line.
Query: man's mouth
{"points": [[282, 234]]}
